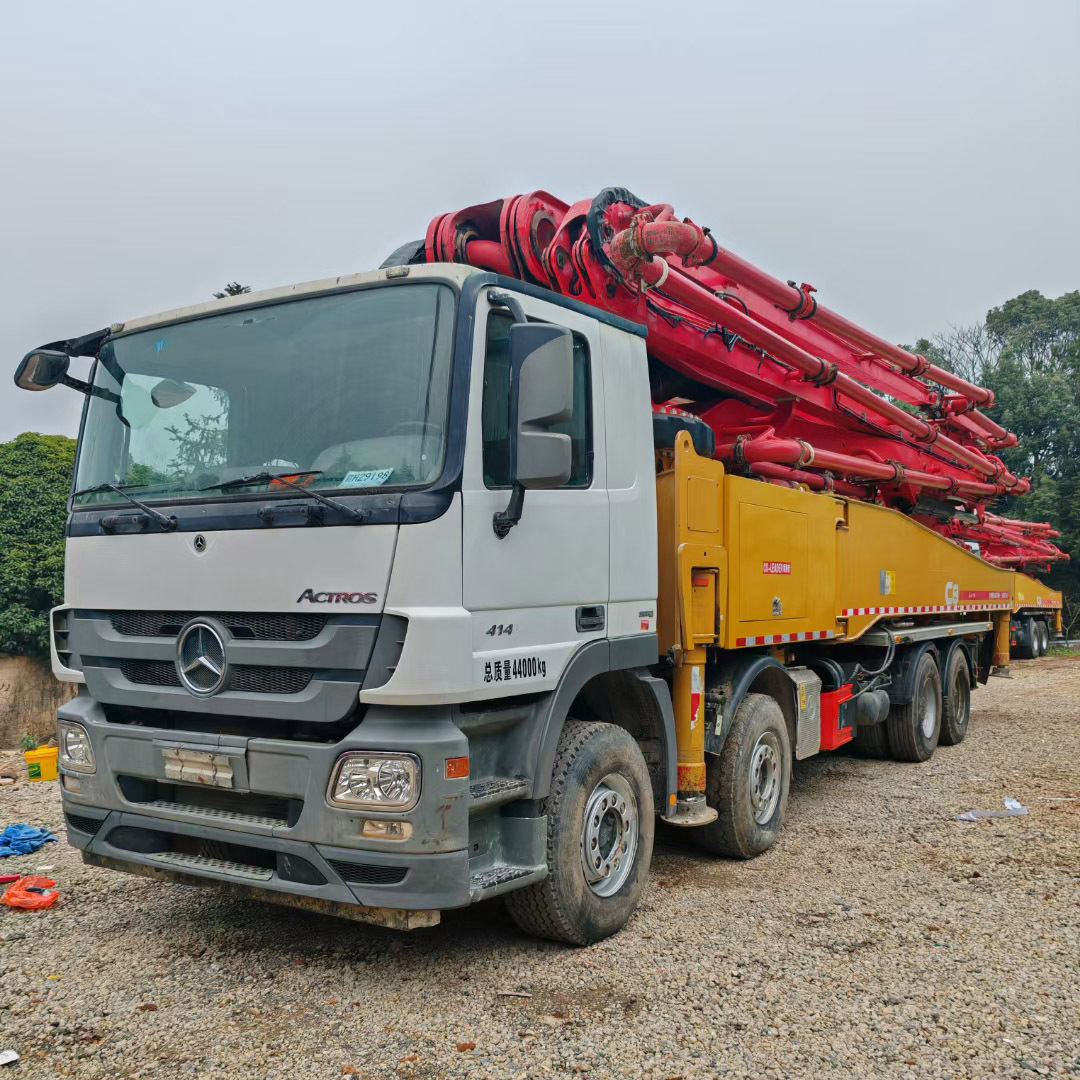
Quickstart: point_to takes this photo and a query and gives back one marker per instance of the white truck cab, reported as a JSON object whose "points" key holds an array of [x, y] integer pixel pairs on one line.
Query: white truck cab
{"points": [[354, 569]]}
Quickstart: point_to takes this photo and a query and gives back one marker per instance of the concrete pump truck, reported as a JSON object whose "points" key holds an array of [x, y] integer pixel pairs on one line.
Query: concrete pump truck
{"points": [[393, 592]]}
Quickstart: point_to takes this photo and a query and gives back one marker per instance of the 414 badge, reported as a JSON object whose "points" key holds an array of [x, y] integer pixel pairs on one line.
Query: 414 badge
{"points": [[524, 667]]}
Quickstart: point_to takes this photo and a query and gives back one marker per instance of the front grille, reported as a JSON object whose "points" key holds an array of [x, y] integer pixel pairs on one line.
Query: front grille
{"points": [[150, 672], [262, 679], [253, 626], [219, 866], [220, 856], [246, 678], [239, 807], [85, 824], [369, 874]]}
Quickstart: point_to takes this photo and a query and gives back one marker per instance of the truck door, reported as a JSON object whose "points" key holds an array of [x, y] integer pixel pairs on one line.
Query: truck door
{"points": [[539, 594]]}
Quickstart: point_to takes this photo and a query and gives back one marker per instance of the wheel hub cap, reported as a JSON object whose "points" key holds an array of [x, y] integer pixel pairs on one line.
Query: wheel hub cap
{"points": [[765, 777], [609, 835], [928, 715]]}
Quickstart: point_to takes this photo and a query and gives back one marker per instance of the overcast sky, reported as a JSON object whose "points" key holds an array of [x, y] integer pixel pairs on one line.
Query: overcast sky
{"points": [[918, 162]]}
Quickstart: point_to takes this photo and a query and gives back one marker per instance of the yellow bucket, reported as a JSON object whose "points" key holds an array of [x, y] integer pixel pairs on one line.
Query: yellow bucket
{"points": [[41, 763]]}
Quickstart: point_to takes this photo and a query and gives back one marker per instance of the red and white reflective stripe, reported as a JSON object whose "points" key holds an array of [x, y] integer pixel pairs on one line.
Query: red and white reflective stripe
{"points": [[922, 609], [783, 639]]}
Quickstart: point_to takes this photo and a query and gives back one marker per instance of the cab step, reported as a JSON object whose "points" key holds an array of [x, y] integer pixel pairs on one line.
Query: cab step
{"points": [[497, 790], [501, 878]]}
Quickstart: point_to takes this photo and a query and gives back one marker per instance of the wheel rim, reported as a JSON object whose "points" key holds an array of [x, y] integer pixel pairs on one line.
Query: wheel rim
{"points": [[765, 777], [927, 710], [961, 697], [609, 835]]}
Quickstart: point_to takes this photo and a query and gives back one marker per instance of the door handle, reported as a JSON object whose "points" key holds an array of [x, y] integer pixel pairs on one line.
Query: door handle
{"points": [[589, 618]]}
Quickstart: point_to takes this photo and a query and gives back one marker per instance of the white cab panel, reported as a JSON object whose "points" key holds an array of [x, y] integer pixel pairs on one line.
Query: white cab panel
{"points": [[425, 587], [554, 561], [631, 485], [631, 473], [240, 569]]}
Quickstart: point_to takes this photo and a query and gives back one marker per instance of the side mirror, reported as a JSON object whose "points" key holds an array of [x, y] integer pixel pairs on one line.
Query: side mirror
{"points": [[42, 369], [541, 395]]}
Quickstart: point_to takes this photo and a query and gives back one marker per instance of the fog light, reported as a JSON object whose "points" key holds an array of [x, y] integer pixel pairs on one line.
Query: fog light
{"points": [[375, 781], [386, 830], [76, 751], [72, 784]]}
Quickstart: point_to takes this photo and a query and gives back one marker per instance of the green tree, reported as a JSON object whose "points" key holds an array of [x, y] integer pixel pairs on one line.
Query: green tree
{"points": [[35, 477], [1028, 352]]}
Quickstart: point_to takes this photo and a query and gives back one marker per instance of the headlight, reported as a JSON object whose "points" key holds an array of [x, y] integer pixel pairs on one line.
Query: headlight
{"points": [[376, 781], [75, 749]]}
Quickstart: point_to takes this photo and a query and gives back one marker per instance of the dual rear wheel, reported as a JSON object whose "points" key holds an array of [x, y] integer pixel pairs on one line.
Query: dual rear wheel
{"points": [[1038, 635], [939, 712]]}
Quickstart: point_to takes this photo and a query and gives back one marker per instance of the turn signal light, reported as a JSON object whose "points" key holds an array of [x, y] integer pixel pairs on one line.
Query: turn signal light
{"points": [[457, 768]]}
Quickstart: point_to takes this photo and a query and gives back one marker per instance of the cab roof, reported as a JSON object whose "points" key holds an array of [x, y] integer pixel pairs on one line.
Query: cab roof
{"points": [[452, 272]]}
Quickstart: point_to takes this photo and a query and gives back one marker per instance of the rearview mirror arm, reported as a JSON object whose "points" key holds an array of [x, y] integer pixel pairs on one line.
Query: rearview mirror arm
{"points": [[92, 391], [504, 520]]}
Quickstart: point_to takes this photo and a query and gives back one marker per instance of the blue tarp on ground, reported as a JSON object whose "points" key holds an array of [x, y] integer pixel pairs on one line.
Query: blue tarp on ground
{"points": [[23, 839]]}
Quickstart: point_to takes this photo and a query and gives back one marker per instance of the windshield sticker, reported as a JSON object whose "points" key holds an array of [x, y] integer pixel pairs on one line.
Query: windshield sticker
{"points": [[367, 478]]}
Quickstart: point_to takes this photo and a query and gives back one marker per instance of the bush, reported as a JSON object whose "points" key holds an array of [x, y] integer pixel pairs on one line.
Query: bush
{"points": [[35, 478]]}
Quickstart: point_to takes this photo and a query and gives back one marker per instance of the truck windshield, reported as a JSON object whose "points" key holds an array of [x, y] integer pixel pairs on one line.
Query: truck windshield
{"points": [[348, 392]]}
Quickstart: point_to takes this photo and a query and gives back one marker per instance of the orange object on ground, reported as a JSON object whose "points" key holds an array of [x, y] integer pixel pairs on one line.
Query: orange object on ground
{"points": [[20, 896]]}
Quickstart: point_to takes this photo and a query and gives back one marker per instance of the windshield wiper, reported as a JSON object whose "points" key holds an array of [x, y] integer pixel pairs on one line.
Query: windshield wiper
{"points": [[168, 523], [266, 477]]}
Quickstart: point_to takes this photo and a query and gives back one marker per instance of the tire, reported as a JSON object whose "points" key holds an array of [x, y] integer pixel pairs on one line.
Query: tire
{"points": [[747, 782], [1031, 650], [591, 759], [872, 741], [1044, 638], [915, 728], [956, 699]]}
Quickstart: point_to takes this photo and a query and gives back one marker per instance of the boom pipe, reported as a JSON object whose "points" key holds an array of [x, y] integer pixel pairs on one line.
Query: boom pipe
{"points": [[771, 471], [1024, 560], [657, 273], [769, 448], [1019, 540], [745, 352], [959, 406], [489, 255], [1041, 528], [798, 301]]}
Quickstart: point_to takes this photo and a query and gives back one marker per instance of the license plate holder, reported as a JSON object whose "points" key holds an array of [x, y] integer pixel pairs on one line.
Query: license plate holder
{"points": [[188, 766]]}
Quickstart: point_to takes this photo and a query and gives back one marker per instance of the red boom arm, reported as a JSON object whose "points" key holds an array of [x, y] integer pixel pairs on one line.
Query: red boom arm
{"points": [[796, 393]]}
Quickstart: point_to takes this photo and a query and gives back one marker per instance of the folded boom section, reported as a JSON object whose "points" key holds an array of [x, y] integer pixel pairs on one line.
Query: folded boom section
{"points": [[795, 393]]}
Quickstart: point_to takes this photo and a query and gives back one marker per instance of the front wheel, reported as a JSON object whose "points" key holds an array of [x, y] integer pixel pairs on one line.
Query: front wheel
{"points": [[747, 782], [599, 838]]}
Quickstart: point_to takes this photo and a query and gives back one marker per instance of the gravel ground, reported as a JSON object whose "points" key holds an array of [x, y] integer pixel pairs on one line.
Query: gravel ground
{"points": [[879, 938]]}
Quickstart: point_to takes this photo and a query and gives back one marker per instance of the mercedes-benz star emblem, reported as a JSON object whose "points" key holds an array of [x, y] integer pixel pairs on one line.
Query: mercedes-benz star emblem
{"points": [[200, 659], [199, 543]]}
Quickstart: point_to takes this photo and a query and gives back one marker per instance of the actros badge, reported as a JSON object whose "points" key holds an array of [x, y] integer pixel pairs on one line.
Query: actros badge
{"points": [[313, 597]]}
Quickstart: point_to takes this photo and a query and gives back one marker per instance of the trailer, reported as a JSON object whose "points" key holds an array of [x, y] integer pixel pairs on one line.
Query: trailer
{"points": [[398, 591]]}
